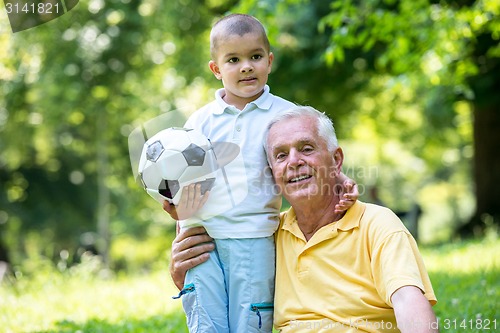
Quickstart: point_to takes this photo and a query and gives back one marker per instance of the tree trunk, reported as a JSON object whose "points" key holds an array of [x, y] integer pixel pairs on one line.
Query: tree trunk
{"points": [[486, 87], [4, 255], [486, 172], [4, 260], [103, 193]]}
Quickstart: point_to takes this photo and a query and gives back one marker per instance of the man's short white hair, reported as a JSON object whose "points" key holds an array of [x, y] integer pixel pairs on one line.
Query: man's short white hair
{"points": [[324, 125]]}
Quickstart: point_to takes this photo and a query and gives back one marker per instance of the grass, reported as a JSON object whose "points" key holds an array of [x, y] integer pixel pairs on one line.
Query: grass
{"points": [[84, 303], [465, 277]]}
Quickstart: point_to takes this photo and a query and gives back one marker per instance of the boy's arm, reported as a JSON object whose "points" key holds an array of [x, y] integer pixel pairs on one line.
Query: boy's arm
{"points": [[349, 194], [191, 246]]}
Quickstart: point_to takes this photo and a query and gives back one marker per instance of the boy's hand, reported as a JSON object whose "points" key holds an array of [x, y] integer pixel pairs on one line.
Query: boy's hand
{"points": [[191, 201], [349, 195]]}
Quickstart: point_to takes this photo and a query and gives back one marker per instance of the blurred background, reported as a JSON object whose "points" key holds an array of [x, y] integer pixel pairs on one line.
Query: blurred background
{"points": [[413, 88]]}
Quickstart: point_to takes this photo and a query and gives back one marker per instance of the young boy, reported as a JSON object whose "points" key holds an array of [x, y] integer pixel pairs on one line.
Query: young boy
{"points": [[233, 291]]}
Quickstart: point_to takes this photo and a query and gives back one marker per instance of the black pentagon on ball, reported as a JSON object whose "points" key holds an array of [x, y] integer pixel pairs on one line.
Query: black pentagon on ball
{"points": [[194, 155], [169, 188], [154, 151]]}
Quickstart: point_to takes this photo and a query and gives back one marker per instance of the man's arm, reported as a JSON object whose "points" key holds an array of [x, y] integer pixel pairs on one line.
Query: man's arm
{"points": [[190, 248], [413, 311]]}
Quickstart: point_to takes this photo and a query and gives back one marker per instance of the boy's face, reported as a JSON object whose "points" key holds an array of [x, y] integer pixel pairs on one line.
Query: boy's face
{"points": [[243, 64]]}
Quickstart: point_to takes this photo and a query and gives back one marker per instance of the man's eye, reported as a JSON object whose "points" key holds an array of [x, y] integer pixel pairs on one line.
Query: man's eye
{"points": [[280, 156], [307, 149], [233, 60]]}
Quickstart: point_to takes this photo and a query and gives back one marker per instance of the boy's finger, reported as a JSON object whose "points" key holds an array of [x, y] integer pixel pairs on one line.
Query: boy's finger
{"points": [[204, 198], [191, 195]]}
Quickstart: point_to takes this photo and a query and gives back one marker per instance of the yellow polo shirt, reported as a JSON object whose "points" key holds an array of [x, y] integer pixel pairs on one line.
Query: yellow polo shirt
{"points": [[342, 279]]}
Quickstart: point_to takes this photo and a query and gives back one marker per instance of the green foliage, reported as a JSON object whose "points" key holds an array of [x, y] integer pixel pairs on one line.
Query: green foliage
{"points": [[72, 90], [394, 75], [402, 81]]}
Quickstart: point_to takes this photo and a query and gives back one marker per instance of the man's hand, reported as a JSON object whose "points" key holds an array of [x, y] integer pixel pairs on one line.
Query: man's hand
{"points": [[191, 201], [190, 248], [349, 194]]}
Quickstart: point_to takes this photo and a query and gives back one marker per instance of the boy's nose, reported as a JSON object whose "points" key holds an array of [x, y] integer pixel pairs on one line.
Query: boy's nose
{"points": [[246, 67]]}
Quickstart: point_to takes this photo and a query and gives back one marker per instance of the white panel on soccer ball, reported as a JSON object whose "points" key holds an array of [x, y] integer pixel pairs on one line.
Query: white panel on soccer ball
{"points": [[171, 164], [155, 195], [174, 138], [150, 176], [199, 139]]}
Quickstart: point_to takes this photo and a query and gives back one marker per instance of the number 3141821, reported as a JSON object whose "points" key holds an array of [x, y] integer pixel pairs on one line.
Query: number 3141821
{"points": [[32, 8], [479, 323]]}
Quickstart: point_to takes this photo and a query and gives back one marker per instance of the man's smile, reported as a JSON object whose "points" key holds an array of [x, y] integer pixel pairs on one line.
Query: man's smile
{"points": [[298, 179]]}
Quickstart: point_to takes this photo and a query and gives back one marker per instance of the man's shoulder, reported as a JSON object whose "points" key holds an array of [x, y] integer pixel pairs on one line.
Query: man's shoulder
{"points": [[287, 216], [380, 219]]}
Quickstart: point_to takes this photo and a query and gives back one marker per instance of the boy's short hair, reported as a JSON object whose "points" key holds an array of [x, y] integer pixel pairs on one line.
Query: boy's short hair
{"points": [[236, 24]]}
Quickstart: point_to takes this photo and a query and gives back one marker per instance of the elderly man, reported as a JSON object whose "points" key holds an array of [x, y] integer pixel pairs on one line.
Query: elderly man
{"points": [[335, 272]]}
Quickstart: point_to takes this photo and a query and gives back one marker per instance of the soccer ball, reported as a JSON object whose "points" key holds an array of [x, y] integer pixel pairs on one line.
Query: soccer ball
{"points": [[174, 158]]}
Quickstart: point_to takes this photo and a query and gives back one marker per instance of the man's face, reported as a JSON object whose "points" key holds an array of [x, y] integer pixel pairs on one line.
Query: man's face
{"points": [[243, 64], [302, 166]]}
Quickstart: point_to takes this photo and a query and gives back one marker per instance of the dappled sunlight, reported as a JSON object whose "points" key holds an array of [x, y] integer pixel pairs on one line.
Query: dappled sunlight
{"points": [[471, 257]]}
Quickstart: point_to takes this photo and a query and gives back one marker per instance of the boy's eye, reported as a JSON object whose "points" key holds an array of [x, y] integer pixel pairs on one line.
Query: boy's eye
{"points": [[233, 60], [257, 57]]}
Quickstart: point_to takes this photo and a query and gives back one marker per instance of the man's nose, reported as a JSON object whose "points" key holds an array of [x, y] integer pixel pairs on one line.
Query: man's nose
{"points": [[295, 158]]}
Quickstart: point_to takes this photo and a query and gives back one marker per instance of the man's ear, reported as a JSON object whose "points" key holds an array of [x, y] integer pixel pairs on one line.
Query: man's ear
{"points": [[338, 159], [215, 69]]}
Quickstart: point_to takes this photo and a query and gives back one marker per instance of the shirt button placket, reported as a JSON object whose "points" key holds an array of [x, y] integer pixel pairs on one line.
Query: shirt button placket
{"points": [[237, 128]]}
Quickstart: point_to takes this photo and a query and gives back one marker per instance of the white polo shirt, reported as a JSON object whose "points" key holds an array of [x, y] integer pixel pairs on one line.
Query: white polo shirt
{"points": [[244, 202]]}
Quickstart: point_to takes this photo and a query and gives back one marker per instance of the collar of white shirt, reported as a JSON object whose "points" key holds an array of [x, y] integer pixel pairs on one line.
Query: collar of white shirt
{"points": [[264, 101]]}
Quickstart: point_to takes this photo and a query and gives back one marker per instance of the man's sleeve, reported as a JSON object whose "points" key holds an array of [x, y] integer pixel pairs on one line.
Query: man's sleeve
{"points": [[397, 262]]}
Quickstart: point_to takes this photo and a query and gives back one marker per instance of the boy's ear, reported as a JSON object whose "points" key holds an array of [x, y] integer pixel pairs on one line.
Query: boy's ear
{"points": [[271, 58], [215, 69]]}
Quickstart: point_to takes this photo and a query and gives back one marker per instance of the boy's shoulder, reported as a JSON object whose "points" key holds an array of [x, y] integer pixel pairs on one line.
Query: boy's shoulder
{"points": [[278, 103], [280, 99], [205, 111]]}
